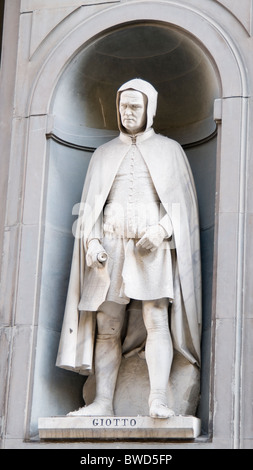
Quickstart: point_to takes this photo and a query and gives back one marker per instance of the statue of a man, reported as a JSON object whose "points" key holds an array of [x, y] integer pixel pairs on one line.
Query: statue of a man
{"points": [[137, 238]]}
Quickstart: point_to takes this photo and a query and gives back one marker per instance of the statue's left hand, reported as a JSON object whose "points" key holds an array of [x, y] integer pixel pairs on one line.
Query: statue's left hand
{"points": [[152, 238]]}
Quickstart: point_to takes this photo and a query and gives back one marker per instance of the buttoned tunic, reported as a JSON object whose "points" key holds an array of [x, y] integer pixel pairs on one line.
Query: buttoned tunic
{"points": [[133, 205]]}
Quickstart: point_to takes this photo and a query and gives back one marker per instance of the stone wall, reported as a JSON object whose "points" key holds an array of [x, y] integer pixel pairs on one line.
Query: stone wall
{"points": [[42, 40]]}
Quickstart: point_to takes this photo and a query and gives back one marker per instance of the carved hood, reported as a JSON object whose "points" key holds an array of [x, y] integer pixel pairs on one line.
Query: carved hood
{"points": [[147, 89]]}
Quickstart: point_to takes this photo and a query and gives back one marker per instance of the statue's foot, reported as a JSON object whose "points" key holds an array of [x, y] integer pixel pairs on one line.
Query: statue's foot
{"points": [[97, 408], [159, 410]]}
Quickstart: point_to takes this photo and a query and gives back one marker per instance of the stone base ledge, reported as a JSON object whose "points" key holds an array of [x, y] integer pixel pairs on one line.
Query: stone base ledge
{"points": [[119, 427]]}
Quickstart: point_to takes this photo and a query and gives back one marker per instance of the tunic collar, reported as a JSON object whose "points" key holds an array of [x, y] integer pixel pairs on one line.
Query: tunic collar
{"points": [[138, 138]]}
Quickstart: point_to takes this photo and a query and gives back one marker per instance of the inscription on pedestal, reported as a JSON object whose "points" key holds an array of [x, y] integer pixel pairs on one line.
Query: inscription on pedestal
{"points": [[114, 422], [118, 427]]}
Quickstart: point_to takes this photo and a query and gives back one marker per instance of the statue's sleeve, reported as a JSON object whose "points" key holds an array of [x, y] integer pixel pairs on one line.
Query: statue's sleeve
{"points": [[165, 222], [96, 232]]}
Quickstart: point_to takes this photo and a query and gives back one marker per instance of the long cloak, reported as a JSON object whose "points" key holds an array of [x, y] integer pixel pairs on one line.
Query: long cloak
{"points": [[172, 178]]}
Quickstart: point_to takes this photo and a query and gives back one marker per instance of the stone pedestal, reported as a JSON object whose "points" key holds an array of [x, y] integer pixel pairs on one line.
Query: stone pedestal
{"points": [[119, 427]]}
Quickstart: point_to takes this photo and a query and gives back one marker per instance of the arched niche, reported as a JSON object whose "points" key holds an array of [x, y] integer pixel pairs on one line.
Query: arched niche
{"points": [[167, 57], [80, 97], [84, 113]]}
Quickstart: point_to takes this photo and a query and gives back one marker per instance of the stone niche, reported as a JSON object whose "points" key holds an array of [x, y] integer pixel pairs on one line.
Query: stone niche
{"points": [[83, 109]]}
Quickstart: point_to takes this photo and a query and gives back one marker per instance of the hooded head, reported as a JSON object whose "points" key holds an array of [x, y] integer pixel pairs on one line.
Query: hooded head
{"points": [[151, 94]]}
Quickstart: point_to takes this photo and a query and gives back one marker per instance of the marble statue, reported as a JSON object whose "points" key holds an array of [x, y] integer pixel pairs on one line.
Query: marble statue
{"points": [[136, 239]]}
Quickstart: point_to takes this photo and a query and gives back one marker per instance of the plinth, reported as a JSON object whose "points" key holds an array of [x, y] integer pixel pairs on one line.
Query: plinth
{"points": [[119, 427]]}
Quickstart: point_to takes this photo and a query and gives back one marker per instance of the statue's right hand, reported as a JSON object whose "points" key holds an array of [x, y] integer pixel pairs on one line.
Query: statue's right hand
{"points": [[94, 249]]}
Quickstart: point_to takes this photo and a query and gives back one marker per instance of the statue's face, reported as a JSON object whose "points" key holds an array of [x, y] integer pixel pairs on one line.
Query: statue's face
{"points": [[132, 110]]}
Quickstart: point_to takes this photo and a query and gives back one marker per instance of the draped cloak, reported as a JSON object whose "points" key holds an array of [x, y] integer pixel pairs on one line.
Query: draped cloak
{"points": [[173, 181]]}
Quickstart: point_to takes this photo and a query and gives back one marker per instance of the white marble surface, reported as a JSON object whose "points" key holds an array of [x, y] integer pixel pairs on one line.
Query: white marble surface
{"points": [[97, 427]]}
